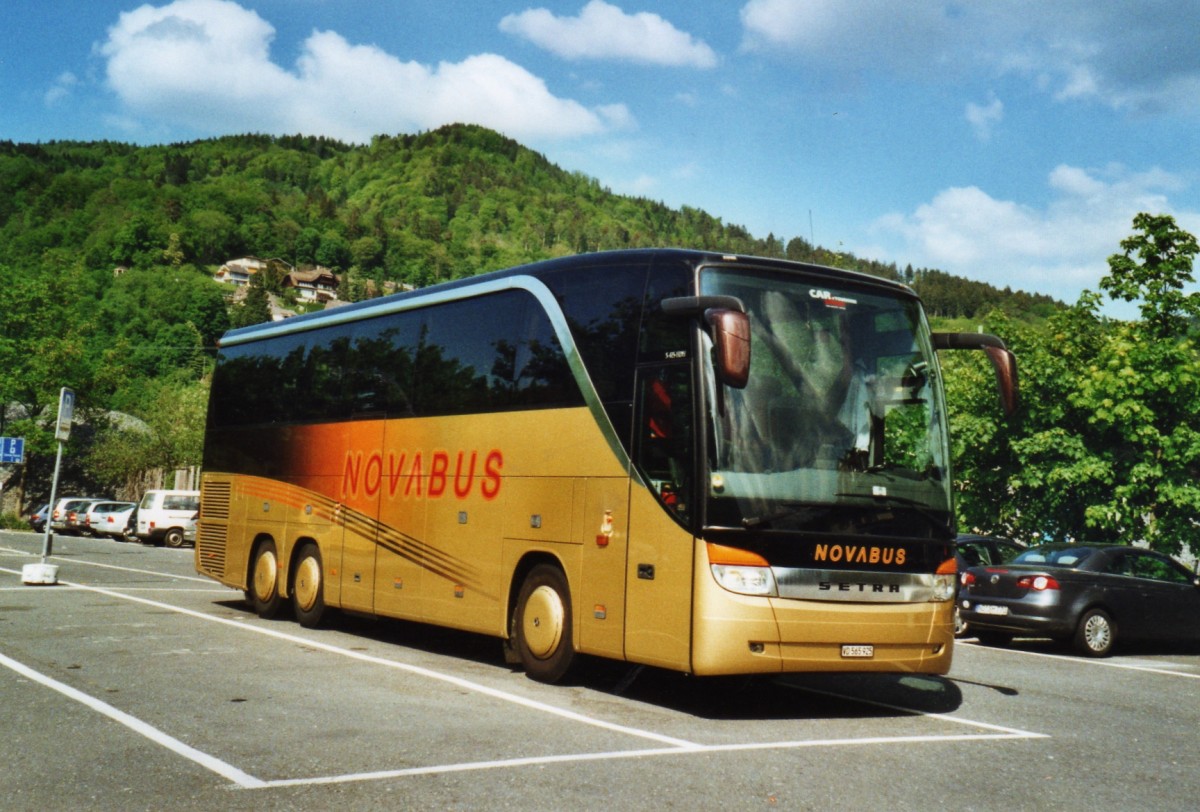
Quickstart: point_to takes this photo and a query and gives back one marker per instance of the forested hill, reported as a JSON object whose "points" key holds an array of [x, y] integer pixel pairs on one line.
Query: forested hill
{"points": [[412, 209]]}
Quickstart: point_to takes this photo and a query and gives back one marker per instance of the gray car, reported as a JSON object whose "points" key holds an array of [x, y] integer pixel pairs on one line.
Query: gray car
{"points": [[109, 519], [1089, 595], [971, 550], [68, 513]]}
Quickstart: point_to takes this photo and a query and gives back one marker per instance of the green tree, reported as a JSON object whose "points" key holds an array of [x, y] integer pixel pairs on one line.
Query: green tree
{"points": [[1164, 255], [254, 309], [1106, 446], [168, 435]]}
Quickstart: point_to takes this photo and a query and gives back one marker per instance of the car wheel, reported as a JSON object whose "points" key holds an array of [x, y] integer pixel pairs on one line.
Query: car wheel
{"points": [[542, 625], [264, 581], [960, 625], [308, 587], [174, 537], [1095, 635]]}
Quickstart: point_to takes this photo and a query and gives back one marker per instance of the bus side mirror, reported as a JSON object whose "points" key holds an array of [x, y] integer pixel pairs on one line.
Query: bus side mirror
{"points": [[1003, 361], [731, 345], [726, 318]]}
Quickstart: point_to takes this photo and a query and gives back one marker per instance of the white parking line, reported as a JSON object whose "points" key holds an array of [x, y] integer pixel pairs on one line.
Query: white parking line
{"points": [[674, 746], [152, 733], [413, 669], [636, 754], [86, 563], [1107, 663]]}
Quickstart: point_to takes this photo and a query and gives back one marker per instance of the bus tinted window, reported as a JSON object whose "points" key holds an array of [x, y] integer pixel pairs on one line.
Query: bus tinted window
{"points": [[666, 338], [491, 353], [603, 305]]}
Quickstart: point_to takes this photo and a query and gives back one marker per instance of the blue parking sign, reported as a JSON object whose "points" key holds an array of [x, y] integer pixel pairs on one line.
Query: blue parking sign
{"points": [[12, 450]]}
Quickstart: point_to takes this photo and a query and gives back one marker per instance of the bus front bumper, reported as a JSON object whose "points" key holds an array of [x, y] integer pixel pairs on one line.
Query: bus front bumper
{"points": [[742, 634]]}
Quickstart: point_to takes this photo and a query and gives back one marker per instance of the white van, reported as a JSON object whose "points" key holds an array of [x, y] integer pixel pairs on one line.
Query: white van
{"points": [[167, 516]]}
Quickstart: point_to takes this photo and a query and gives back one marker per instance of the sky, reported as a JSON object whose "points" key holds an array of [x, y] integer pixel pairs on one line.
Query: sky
{"points": [[1009, 141]]}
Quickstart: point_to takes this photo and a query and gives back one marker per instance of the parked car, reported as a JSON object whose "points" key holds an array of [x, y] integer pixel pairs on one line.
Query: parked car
{"points": [[37, 519], [68, 513], [164, 516], [972, 550], [980, 551], [1090, 595], [109, 519]]}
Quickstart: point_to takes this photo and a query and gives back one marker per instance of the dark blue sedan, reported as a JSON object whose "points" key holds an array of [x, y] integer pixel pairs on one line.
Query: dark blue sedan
{"points": [[1085, 594]]}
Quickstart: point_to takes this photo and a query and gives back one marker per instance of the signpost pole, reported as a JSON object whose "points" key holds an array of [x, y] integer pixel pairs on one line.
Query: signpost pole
{"points": [[48, 540], [45, 572]]}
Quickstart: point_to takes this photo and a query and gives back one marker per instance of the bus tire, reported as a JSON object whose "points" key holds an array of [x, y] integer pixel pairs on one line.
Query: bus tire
{"points": [[264, 581], [308, 587], [542, 625]]}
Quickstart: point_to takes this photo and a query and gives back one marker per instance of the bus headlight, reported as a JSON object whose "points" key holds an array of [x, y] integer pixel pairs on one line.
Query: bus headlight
{"points": [[945, 581], [943, 587], [745, 580]]}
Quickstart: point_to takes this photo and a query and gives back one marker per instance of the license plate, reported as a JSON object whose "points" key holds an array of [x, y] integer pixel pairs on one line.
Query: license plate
{"points": [[987, 609], [858, 652]]}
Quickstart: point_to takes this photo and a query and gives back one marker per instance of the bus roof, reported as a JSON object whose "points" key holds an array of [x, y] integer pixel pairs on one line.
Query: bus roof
{"points": [[693, 257]]}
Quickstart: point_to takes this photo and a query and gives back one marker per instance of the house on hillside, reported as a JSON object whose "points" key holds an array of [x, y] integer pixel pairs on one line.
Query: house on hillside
{"points": [[239, 271], [313, 284]]}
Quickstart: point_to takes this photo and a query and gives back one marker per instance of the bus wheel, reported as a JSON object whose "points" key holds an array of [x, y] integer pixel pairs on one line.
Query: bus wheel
{"points": [[542, 625], [308, 588], [264, 581]]}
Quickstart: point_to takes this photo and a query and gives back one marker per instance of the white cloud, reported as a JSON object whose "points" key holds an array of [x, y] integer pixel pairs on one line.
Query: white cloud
{"points": [[1126, 54], [604, 31], [61, 89], [984, 117], [1059, 249], [206, 64], [849, 34]]}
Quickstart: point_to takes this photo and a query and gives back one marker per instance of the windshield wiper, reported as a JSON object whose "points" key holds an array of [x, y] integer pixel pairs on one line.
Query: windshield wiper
{"points": [[918, 508], [787, 511]]}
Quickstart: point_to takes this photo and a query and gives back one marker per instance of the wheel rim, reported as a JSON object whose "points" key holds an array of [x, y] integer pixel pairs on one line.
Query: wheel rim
{"points": [[542, 623], [308, 583], [266, 572], [1097, 632]]}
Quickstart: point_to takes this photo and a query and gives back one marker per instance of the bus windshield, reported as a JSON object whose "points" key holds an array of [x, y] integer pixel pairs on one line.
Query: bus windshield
{"points": [[841, 426]]}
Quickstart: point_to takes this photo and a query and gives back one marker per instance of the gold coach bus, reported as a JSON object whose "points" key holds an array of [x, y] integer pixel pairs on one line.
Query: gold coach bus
{"points": [[708, 463]]}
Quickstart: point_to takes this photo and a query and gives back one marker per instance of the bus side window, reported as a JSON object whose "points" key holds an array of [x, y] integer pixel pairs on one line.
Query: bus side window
{"points": [[665, 438]]}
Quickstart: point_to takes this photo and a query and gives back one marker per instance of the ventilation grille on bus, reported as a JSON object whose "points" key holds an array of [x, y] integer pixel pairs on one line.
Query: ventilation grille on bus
{"points": [[214, 500], [212, 539], [210, 548]]}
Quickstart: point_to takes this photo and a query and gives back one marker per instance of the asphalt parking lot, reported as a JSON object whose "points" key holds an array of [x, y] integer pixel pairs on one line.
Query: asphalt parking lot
{"points": [[137, 684]]}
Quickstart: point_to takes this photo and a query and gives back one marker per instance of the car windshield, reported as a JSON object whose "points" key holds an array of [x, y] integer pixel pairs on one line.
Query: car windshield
{"points": [[840, 427], [1055, 556]]}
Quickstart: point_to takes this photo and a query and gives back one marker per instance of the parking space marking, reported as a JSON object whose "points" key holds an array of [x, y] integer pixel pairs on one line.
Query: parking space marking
{"points": [[616, 755], [413, 669], [152, 733], [673, 746], [1006, 732], [85, 562], [1107, 663]]}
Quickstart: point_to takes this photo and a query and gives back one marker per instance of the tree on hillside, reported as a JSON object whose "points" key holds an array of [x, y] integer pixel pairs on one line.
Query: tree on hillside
{"points": [[255, 308]]}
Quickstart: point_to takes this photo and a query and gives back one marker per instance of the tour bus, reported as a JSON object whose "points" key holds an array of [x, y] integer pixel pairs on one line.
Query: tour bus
{"points": [[701, 462]]}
